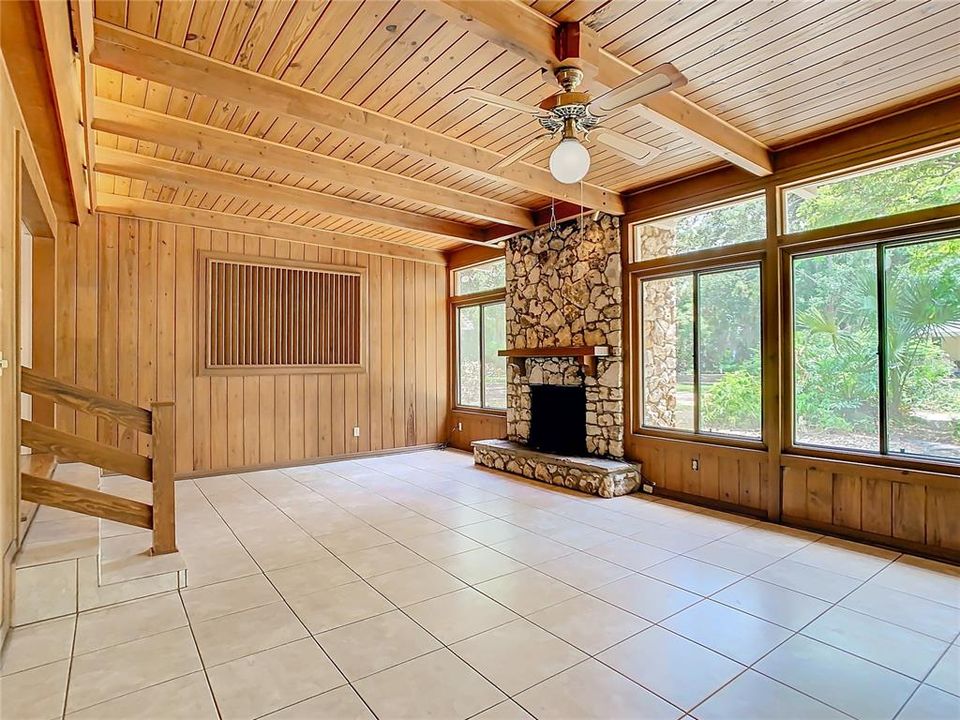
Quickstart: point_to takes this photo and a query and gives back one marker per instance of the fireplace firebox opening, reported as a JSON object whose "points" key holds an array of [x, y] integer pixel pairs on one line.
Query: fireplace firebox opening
{"points": [[558, 419]]}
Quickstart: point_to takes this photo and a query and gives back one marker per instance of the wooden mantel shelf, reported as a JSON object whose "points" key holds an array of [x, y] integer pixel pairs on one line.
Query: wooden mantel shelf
{"points": [[586, 354]]}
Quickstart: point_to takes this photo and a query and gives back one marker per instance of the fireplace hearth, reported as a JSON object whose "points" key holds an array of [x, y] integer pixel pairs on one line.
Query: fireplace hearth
{"points": [[558, 419]]}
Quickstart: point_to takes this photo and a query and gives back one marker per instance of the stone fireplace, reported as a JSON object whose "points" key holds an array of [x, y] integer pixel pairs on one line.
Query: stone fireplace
{"points": [[564, 315], [564, 290]]}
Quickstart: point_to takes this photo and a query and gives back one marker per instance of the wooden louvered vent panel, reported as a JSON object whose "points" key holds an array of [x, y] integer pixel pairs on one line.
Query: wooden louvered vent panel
{"points": [[263, 316]]}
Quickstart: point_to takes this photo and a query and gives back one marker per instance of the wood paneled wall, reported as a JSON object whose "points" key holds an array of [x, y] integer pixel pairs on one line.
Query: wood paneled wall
{"points": [[723, 475], [467, 426], [127, 322], [912, 509]]}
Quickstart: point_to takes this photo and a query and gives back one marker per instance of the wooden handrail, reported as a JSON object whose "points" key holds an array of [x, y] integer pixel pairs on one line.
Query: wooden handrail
{"points": [[70, 447], [84, 400], [86, 501], [159, 422]]}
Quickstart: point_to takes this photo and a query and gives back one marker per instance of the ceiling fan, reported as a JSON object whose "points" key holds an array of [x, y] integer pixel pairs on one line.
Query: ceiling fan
{"points": [[576, 116]]}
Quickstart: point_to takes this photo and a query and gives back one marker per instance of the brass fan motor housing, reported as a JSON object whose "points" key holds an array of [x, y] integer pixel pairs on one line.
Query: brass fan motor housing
{"points": [[563, 99]]}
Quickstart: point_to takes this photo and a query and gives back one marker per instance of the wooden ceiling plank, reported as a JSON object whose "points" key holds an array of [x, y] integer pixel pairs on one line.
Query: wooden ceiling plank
{"points": [[267, 22], [894, 53], [185, 134], [174, 21], [939, 77], [225, 222], [531, 35], [418, 44], [122, 50], [295, 29], [133, 166], [764, 78], [775, 42], [371, 35]]}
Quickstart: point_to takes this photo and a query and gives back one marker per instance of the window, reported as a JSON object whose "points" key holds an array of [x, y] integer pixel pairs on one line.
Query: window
{"points": [[701, 352], [729, 224], [917, 184], [876, 349], [480, 278], [481, 334], [265, 316], [481, 372]]}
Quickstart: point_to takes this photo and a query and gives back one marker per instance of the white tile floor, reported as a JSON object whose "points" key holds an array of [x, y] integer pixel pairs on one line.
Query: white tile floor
{"points": [[418, 585]]}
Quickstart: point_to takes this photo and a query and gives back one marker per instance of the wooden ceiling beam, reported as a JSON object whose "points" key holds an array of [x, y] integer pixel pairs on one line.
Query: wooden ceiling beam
{"points": [[21, 38], [198, 217], [144, 57], [81, 19], [536, 37], [54, 20], [135, 122], [191, 177]]}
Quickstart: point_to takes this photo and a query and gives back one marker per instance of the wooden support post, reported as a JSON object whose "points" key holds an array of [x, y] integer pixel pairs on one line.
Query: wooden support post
{"points": [[164, 503]]}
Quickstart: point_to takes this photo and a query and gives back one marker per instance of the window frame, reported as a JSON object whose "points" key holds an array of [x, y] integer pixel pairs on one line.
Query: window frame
{"points": [[486, 297], [889, 238], [901, 219], [694, 271], [457, 404], [490, 261], [719, 251], [774, 252]]}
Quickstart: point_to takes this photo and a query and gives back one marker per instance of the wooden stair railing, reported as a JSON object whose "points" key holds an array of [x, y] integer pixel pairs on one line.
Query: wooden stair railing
{"points": [[37, 485]]}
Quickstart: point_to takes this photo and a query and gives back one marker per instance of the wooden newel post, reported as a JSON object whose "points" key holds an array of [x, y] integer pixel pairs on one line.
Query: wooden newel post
{"points": [[164, 507]]}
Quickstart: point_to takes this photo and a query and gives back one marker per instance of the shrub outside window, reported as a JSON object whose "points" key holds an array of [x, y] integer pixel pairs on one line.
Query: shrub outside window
{"points": [[701, 352], [876, 349], [729, 224], [917, 184]]}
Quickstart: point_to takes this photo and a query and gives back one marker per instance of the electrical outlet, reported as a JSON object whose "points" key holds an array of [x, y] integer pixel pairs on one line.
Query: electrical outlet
{"points": [[459, 427], [695, 464], [356, 432]]}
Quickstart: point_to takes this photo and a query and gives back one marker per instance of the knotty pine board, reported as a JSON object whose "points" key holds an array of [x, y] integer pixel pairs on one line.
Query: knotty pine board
{"points": [[133, 334]]}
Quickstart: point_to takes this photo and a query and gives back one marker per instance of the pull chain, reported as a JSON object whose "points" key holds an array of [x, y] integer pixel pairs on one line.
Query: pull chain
{"points": [[553, 215]]}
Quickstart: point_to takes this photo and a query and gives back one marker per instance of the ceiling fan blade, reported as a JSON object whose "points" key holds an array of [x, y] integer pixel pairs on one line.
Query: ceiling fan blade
{"points": [[635, 151], [522, 151], [661, 79], [503, 103]]}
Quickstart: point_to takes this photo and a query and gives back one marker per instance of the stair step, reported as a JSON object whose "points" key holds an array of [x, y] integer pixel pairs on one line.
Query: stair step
{"points": [[41, 465]]}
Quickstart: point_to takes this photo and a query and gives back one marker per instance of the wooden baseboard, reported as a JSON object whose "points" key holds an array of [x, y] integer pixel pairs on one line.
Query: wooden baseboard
{"points": [[305, 461], [711, 503], [885, 541]]}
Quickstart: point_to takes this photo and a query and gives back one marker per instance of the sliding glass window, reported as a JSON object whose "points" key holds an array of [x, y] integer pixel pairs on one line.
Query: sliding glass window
{"points": [[481, 372], [700, 334], [876, 349]]}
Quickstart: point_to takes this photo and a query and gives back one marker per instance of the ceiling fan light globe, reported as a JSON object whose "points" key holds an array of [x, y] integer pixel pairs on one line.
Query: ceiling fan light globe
{"points": [[569, 161]]}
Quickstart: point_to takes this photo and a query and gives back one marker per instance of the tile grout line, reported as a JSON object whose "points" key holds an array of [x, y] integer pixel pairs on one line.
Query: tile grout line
{"points": [[203, 665], [294, 612], [520, 616], [831, 604], [444, 645], [73, 645]]}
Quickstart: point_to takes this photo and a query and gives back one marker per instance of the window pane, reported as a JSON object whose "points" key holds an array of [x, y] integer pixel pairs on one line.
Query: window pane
{"points": [[835, 343], [480, 278], [494, 366], [922, 326], [738, 222], [468, 357], [920, 183], [728, 317], [668, 352]]}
